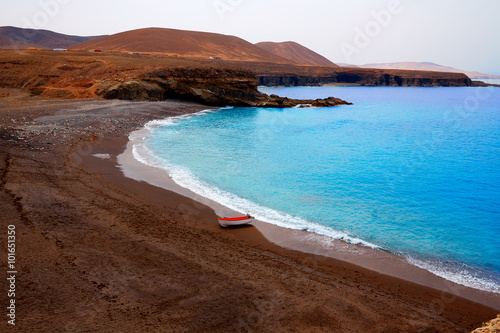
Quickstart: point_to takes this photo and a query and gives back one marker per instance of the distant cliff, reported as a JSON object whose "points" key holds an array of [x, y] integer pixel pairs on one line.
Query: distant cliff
{"points": [[290, 75], [367, 78], [383, 79]]}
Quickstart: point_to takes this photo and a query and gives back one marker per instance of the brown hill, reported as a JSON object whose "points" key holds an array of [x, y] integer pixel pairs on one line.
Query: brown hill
{"points": [[191, 44], [19, 38], [296, 52]]}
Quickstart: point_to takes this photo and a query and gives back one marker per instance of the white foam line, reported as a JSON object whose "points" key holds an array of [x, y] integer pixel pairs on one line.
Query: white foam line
{"points": [[186, 179]]}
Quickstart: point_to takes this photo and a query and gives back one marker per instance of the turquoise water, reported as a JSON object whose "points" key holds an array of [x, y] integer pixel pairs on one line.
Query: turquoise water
{"points": [[415, 171]]}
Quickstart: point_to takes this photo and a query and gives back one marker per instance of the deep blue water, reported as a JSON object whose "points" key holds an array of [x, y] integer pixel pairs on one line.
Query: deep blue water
{"points": [[412, 170]]}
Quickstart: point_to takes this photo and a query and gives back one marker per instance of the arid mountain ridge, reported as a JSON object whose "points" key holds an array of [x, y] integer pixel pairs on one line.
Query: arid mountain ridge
{"points": [[157, 64], [170, 41], [189, 44]]}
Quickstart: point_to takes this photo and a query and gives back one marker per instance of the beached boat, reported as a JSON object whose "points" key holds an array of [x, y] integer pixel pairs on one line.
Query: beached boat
{"points": [[234, 221]]}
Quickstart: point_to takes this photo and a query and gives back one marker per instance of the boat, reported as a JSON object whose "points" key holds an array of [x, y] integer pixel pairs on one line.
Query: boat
{"points": [[235, 221]]}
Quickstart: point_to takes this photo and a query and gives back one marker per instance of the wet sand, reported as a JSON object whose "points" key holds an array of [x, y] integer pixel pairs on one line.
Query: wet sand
{"points": [[101, 252]]}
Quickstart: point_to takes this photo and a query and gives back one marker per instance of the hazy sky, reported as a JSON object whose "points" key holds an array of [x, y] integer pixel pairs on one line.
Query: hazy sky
{"points": [[457, 33]]}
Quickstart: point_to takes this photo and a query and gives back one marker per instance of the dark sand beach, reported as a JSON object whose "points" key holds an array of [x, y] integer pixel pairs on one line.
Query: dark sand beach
{"points": [[99, 252]]}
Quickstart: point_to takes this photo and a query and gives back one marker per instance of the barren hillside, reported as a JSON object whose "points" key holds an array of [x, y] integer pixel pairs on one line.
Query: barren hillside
{"points": [[183, 43], [18, 38]]}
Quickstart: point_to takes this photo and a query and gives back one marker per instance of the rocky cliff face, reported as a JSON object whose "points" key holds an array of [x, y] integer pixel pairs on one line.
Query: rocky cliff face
{"points": [[205, 85], [217, 87]]}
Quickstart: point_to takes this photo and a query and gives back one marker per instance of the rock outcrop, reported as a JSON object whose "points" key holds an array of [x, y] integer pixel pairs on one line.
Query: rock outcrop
{"points": [[276, 101]]}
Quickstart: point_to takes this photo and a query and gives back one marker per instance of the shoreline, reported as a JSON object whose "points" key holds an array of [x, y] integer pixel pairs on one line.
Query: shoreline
{"points": [[375, 259], [122, 254]]}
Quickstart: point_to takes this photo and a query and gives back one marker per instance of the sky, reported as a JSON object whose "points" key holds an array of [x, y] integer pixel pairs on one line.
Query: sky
{"points": [[457, 33]]}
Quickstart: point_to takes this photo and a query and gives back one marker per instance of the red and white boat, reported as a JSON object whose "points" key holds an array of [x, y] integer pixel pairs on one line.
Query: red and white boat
{"points": [[234, 221]]}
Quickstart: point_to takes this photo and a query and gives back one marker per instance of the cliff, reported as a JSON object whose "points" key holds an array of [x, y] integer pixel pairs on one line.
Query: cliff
{"points": [[119, 76], [367, 77], [210, 86], [292, 75]]}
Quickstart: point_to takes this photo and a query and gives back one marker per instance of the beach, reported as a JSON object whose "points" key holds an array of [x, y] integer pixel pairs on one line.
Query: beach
{"points": [[97, 251]]}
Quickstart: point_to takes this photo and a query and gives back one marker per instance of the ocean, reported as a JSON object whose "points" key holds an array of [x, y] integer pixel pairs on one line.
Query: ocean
{"points": [[414, 171]]}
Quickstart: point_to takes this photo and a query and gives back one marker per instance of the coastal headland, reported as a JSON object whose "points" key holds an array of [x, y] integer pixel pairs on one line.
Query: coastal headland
{"points": [[101, 252]]}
